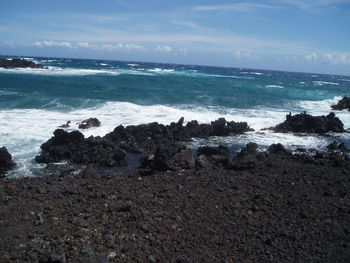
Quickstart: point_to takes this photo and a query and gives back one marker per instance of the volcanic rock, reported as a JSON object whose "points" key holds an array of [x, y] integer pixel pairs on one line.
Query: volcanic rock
{"points": [[343, 104], [6, 162], [88, 123], [305, 123], [19, 63], [73, 147]]}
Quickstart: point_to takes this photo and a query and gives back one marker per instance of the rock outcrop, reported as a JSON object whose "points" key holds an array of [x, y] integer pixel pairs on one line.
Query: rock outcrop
{"points": [[305, 123], [163, 142], [343, 104], [19, 63], [6, 162], [88, 123]]}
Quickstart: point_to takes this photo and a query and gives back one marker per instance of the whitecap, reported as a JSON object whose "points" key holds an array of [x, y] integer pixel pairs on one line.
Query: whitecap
{"points": [[321, 83], [133, 65], [274, 86]]}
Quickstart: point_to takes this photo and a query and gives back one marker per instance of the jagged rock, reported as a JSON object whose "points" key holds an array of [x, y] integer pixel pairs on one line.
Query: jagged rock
{"points": [[343, 104], [306, 123], [6, 162], [208, 151], [73, 147], [88, 123], [145, 139], [248, 158], [277, 149], [170, 157], [18, 63]]}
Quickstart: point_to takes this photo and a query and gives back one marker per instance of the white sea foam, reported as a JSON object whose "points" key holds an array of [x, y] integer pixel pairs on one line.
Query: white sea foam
{"points": [[103, 64], [133, 65], [161, 70], [321, 83], [274, 86], [252, 73]]}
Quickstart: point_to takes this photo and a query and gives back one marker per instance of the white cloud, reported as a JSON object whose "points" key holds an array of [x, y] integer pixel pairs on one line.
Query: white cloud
{"points": [[311, 4], [186, 24], [84, 45], [312, 57], [336, 58], [165, 49], [121, 46], [239, 7], [53, 44], [244, 54]]}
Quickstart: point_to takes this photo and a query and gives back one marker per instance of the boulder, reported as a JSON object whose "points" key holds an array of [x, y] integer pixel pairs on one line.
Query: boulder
{"points": [[19, 63], [6, 162], [88, 123], [73, 147], [343, 104], [305, 123]]}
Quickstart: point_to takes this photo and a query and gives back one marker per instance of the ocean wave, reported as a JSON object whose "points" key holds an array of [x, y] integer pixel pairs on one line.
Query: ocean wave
{"points": [[321, 83], [133, 65], [274, 86]]}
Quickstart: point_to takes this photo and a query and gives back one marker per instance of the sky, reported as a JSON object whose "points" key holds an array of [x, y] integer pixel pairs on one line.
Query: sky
{"points": [[290, 35]]}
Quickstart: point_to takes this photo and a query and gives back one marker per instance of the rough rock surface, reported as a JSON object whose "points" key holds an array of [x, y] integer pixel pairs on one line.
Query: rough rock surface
{"points": [[343, 104], [88, 123], [72, 146], [285, 208], [6, 162], [306, 123], [144, 140], [18, 63]]}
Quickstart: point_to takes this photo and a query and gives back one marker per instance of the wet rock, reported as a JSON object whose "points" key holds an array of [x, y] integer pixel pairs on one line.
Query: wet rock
{"points": [[18, 63], [343, 104], [6, 162], [306, 123], [88, 123], [73, 147], [278, 149], [208, 151], [67, 125]]}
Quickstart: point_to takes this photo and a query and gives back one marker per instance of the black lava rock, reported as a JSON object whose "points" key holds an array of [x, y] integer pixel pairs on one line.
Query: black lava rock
{"points": [[88, 123], [306, 123], [19, 63], [343, 104], [6, 162]]}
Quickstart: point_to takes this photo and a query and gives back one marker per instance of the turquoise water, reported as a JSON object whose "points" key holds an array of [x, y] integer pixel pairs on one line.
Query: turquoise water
{"points": [[33, 102]]}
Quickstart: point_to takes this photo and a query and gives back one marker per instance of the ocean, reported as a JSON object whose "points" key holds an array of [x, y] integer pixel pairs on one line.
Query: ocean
{"points": [[34, 102]]}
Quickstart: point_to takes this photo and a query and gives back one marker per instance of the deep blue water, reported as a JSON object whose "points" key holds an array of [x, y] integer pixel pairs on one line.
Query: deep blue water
{"points": [[33, 102]]}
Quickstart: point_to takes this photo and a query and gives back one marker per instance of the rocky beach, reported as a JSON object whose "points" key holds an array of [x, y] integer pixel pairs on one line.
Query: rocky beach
{"points": [[180, 205]]}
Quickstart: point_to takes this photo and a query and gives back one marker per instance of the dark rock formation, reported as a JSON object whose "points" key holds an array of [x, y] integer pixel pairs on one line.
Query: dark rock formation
{"points": [[88, 123], [19, 63], [72, 146], [6, 162], [169, 157], [65, 125], [212, 156], [161, 141], [306, 123], [343, 104]]}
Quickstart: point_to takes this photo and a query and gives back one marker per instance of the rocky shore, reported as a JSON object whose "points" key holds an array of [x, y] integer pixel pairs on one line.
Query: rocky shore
{"points": [[180, 205], [18, 63]]}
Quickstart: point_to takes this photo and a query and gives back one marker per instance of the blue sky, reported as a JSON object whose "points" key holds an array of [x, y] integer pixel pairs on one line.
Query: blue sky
{"points": [[295, 35]]}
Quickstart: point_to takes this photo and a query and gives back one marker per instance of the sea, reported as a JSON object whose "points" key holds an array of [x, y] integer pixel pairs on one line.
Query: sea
{"points": [[34, 102]]}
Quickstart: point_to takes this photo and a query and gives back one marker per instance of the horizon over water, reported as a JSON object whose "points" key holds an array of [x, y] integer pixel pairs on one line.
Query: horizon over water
{"points": [[34, 102]]}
